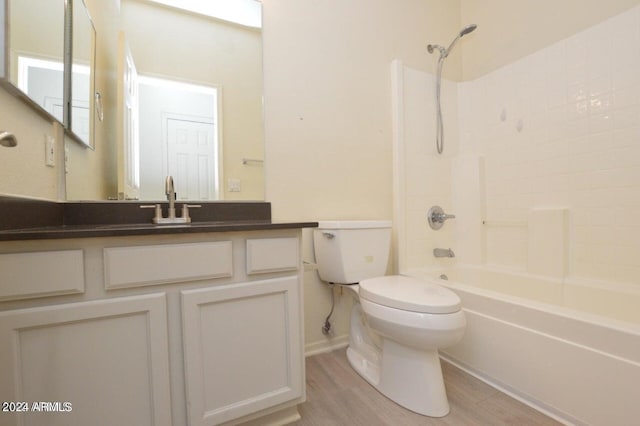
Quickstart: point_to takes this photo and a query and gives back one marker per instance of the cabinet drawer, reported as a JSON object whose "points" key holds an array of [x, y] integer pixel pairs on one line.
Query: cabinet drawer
{"points": [[161, 264], [47, 273], [272, 255]]}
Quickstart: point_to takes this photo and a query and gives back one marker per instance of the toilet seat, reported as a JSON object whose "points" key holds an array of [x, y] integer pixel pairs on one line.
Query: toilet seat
{"points": [[409, 294]]}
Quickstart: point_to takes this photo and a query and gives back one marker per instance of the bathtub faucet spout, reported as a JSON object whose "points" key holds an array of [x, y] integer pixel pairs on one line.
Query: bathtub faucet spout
{"points": [[440, 252]]}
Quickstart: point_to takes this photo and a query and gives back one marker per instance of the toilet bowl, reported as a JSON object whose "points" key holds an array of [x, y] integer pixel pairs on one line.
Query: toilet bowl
{"points": [[398, 323]]}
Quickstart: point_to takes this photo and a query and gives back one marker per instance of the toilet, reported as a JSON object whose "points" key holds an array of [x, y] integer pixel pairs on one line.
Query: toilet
{"points": [[398, 323]]}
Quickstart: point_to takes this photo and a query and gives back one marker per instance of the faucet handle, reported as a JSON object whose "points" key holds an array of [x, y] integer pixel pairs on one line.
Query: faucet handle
{"points": [[436, 217], [185, 211], [158, 214]]}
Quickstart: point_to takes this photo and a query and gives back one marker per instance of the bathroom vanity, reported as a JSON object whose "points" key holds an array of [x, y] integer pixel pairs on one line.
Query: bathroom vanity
{"points": [[136, 324]]}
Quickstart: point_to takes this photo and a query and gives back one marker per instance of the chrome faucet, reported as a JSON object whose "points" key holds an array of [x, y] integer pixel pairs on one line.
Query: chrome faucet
{"points": [[440, 252], [171, 218], [171, 196]]}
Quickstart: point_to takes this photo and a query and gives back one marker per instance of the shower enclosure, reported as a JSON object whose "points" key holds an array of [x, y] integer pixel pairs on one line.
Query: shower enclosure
{"points": [[543, 153]]}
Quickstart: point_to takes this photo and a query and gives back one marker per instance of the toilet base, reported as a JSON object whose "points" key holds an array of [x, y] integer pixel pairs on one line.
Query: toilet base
{"points": [[410, 377]]}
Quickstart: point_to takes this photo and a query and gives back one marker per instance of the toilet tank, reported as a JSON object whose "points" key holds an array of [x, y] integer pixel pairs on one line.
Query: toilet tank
{"points": [[350, 251]]}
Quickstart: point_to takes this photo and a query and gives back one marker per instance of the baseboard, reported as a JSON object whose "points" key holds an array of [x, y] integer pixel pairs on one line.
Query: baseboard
{"points": [[328, 345]]}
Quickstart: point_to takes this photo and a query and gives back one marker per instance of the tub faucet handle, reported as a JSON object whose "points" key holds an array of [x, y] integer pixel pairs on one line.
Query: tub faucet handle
{"points": [[436, 217]]}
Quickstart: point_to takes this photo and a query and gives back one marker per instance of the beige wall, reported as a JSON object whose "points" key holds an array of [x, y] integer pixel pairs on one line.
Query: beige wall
{"points": [[22, 168], [509, 30], [327, 96], [327, 99], [328, 113]]}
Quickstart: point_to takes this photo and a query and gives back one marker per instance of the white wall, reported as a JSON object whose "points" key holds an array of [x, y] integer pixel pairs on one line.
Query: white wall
{"points": [[425, 179], [556, 130], [578, 101]]}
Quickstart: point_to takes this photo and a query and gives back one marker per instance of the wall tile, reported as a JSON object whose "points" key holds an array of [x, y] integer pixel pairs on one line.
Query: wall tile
{"points": [[578, 147], [579, 101]]}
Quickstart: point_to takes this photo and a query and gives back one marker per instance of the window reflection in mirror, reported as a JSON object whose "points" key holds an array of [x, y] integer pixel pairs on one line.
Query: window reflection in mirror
{"points": [[36, 51]]}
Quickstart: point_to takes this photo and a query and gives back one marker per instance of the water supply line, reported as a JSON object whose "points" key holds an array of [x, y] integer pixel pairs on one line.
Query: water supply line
{"points": [[326, 328], [443, 55]]}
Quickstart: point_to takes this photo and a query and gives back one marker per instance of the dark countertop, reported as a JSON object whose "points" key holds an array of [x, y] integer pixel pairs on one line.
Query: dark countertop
{"points": [[29, 219], [120, 230]]}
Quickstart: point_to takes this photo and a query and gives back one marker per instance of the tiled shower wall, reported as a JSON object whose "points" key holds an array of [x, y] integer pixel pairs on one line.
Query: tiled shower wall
{"points": [[425, 178], [557, 129]]}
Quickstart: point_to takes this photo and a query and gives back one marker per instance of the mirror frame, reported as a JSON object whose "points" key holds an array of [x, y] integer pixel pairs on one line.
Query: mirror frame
{"points": [[69, 28], [3, 40]]}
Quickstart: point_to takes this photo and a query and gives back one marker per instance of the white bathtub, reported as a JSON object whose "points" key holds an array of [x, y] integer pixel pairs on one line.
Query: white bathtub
{"points": [[570, 349]]}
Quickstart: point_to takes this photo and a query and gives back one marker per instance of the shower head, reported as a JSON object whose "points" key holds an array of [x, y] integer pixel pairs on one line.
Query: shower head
{"points": [[445, 52], [466, 30]]}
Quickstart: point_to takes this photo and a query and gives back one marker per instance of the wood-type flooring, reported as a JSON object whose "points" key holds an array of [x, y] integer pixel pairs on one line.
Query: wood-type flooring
{"points": [[337, 396]]}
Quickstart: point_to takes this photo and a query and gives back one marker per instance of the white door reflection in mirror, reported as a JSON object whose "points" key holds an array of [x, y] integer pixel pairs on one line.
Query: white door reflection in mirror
{"points": [[191, 148], [128, 130], [179, 136]]}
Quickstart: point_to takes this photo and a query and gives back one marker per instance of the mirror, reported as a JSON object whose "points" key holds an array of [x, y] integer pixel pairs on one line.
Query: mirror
{"points": [[36, 53], [83, 35], [177, 46], [38, 49], [199, 99]]}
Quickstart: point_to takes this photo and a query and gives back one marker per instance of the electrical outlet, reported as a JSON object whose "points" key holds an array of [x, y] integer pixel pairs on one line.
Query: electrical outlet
{"points": [[49, 151]]}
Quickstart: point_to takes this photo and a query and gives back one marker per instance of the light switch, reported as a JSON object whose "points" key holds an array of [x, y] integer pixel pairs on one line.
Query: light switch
{"points": [[234, 185]]}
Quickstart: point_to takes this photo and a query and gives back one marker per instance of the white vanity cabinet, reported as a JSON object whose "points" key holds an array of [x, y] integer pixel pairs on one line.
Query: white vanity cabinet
{"points": [[185, 329], [100, 363], [242, 348]]}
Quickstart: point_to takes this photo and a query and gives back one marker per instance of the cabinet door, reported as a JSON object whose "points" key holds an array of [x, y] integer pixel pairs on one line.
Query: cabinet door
{"points": [[98, 363], [243, 349]]}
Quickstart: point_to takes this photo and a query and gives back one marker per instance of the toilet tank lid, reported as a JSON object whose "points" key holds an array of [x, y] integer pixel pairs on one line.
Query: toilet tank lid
{"points": [[353, 224]]}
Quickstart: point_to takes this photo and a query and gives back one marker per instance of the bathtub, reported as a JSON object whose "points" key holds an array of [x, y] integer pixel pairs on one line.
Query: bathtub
{"points": [[568, 348]]}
